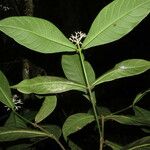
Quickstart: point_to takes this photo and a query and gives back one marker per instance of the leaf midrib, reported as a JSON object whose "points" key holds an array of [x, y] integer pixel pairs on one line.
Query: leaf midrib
{"points": [[8, 100], [39, 35], [113, 23]]}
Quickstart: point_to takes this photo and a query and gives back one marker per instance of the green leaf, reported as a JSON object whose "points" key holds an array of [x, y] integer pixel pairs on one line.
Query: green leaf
{"points": [[146, 130], [20, 147], [116, 20], [141, 144], [126, 68], [46, 109], [36, 34], [5, 93], [53, 129], [101, 111], [8, 134], [113, 145], [129, 120], [47, 85], [75, 123], [14, 121], [72, 68], [73, 146], [140, 96]]}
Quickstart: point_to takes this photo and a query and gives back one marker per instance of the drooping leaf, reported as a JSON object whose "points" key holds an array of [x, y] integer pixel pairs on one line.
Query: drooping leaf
{"points": [[143, 114], [75, 123], [36, 34], [141, 144], [72, 68], [8, 134], [140, 96], [101, 111], [53, 129], [46, 109], [113, 145], [14, 121], [73, 146], [116, 20], [146, 130], [47, 85], [20, 147], [5, 93], [126, 68]]}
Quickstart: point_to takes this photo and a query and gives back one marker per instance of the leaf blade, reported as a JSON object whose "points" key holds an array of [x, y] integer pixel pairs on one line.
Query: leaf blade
{"points": [[116, 20], [7, 134], [36, 34], [47, 85], [46, 109], [5, 93], [76, 122], [126, 68]]}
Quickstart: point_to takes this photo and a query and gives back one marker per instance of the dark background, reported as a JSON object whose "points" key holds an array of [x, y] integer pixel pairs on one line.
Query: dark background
{"points": [[77, 15]]}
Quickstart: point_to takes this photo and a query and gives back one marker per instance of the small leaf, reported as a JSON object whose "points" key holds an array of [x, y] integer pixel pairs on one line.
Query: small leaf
{"points": [[146, 130], [72, 68], [116, 20], [124, 69], [75, 123], [8, 134], [46, 109], [53, 129], [14, 121], [73, 146], [5, 93], [101, 111], [47, 85], [36, 34], [141, 144], [20, 147], [140, 96], [114, 146], [128, 120]]}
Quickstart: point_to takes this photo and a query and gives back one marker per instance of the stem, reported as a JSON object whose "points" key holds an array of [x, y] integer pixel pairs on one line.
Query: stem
{"points": [[102, 135], [42, 129], [89, 90], [122, 110]]}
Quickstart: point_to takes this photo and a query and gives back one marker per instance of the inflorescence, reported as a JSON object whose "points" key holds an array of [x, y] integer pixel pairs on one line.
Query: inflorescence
{"points": [[77, 37]]}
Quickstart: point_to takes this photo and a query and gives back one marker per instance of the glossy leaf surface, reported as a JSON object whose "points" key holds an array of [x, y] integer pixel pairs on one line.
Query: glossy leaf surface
{"points": [[7, 134], [36, 34], [126, 68], [47, 85], [116, 20]]}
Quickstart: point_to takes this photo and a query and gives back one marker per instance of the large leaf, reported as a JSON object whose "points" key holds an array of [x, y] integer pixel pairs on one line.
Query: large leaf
{"points": [[47, 108], [75, 123], [126, 68], [113, 145], [8, 134], [36, 34], [14, 121], [72, 68], [140, 96], [116, 20], [141, 144], [46, 85], [5, 93]]}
